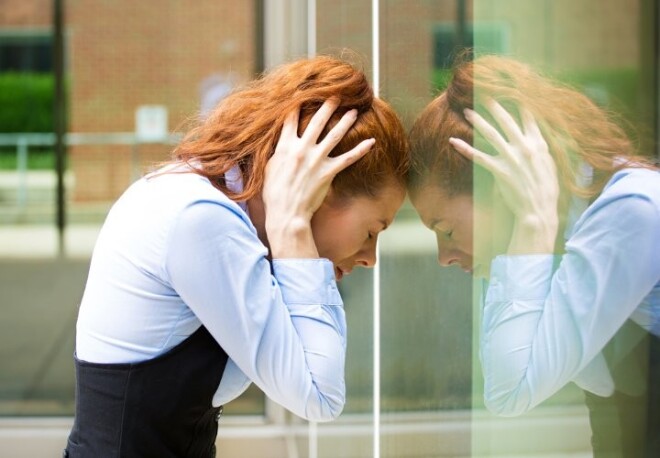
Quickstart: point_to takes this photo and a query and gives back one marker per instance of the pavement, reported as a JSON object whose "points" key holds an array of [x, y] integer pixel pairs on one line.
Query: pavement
{"points": [[42, 277]]}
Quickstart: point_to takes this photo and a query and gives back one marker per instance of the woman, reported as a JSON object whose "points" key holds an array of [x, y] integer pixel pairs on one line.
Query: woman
{"points": [[219, 269], [529, 184]]}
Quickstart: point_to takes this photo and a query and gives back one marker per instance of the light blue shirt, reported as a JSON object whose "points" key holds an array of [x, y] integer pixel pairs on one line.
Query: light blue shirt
{"points": [[546, 318], [176, 253]]}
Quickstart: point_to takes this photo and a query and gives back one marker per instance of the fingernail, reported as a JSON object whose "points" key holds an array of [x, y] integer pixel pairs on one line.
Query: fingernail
{"points": [[467, 112], [354, 112]]}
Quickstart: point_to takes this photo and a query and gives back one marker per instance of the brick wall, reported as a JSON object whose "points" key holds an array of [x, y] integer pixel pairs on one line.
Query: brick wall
{"points": [[568, 34], [123, 54], [405, 46], [26, 13], [554, 34]]}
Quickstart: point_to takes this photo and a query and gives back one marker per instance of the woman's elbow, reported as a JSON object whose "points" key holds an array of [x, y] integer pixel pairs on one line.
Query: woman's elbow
{"points": [[509, 404], [327, 409]]}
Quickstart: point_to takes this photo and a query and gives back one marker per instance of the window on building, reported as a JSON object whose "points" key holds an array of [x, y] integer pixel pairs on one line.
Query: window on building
{"points": [[26, 53], [493, 38]]}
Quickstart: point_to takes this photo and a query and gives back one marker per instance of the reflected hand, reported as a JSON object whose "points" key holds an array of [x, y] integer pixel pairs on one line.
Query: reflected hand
{"points": [[525, 175]]}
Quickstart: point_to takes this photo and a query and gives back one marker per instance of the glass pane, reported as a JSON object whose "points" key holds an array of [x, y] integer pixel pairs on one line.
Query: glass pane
{"points": [[39, 291], [426, 369], [433, 391], [343, 28], [597, 49], [135, 73]]}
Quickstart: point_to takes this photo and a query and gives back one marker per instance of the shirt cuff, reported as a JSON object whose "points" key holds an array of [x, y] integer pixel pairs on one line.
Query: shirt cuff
{"points": [[307, 281], [520, 277]]}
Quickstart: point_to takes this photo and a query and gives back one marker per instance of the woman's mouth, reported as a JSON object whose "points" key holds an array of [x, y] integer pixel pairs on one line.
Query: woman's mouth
{"points": [[340, 273]]}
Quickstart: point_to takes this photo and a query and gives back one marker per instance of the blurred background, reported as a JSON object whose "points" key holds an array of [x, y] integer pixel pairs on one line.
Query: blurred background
{"points": [[94, 93]]}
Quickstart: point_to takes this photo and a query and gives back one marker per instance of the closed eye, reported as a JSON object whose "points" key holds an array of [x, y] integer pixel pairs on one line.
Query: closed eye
{"points": [[447, 233]]}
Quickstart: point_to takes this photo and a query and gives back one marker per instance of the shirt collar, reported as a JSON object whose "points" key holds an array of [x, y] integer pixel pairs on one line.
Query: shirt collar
{"points": [[234, 182], [578, 204]]}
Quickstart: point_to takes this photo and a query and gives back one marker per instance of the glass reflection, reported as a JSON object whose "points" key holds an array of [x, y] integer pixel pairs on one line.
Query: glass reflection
{"points": [[535, 187], [432, 382]]}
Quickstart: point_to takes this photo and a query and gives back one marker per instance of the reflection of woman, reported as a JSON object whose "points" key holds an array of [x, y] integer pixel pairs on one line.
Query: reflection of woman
{"points": [[219, 270], [566, 225]]}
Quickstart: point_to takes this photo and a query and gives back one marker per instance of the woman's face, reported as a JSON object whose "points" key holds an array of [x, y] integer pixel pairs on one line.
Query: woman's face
{"points": [[346, 230], [469, 234]]}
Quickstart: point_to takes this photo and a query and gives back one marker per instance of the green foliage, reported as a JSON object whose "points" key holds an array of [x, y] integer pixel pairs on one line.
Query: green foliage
{"points": [[26, 102], [37, 159], [617, 90], [621, 84], [440, 78]]}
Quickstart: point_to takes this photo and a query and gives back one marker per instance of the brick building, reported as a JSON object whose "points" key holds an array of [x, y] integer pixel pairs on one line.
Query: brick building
{"points": [[125, 54], [122, 54]]}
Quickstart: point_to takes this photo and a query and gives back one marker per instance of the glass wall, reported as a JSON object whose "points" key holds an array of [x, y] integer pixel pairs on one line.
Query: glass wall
{"points": [[430, 388], [133, 75], [344, 28], [601, 50], [136, 72]]}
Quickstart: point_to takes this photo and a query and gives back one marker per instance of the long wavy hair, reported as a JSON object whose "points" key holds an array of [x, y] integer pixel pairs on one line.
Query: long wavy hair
{"points": [[244, 128], [576, 129]]}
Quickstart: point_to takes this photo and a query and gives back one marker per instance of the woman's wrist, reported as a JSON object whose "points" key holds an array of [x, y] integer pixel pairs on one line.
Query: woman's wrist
{"points": [[291, 239], [533, 235]]}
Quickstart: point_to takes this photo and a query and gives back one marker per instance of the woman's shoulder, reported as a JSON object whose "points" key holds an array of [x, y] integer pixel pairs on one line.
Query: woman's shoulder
{"points": [[622, 223], [634, 184], [631, 198], [161, 198], [182, 187]]}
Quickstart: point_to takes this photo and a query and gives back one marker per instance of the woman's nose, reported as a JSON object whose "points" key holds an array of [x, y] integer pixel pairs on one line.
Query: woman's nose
{"points": [[367, 257], [447, 256]]}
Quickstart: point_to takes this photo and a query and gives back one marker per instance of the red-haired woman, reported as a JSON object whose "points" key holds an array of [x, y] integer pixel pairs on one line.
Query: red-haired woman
{"points": [[220, 269], [528, 183]]}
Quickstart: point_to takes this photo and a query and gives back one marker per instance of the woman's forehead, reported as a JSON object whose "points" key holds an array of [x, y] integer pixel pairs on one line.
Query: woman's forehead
{"points": [[434, 203]]}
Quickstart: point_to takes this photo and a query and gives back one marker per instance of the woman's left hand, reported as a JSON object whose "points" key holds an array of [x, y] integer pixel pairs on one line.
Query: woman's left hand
{"points": [[299, 175], [525, 175]]}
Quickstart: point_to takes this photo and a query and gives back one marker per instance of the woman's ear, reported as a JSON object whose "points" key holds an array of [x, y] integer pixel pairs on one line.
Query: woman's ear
{"points": [[335, 199], [489, 196], [502, 214], [484, 190], [496, 200]]}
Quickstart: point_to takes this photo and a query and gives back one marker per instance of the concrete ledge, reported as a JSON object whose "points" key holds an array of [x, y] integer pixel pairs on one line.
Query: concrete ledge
{"points": [[545, 433]]}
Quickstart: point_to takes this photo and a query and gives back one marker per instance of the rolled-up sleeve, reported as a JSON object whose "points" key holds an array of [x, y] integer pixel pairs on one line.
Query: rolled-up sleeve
{"points": [[543, 325], [284, 328]]}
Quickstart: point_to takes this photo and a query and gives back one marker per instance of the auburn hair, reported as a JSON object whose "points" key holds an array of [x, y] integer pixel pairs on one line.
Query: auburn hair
{"points": [[245, 126], [576, 130]]}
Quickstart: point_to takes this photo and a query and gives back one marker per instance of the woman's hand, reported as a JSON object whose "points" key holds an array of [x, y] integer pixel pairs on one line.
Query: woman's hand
{"points": [[525, 175], [298, 178]]}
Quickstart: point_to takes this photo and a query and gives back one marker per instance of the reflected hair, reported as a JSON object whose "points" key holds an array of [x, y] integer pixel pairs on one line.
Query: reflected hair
{"points": [[576, 130], [244, 128]]}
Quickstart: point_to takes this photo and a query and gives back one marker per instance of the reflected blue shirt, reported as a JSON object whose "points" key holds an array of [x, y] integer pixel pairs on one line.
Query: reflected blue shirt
{"points": [[176, 253], [546, 318]]}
